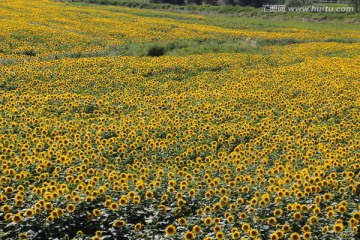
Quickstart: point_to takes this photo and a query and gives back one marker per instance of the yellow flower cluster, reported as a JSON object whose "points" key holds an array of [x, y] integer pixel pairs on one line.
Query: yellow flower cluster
{"points": [[53, 29], [212, 146]]}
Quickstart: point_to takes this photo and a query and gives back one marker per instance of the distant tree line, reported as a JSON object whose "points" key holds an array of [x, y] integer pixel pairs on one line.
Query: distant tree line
{"points": [[256, 3], [253, 3]]}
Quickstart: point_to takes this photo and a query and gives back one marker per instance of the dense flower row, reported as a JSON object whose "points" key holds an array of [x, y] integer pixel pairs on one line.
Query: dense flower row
{"points": [[52, 29], [126, 144]]}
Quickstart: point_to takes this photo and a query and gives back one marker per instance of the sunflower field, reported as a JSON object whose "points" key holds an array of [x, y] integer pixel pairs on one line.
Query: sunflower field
{"points": [[99, 144]]}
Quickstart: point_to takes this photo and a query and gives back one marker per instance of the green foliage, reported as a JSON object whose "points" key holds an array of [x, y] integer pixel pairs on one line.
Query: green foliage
{"points": [[297, 3], [156, 51], [233, 8], [356, 5], [29, 52], [189, 47]]}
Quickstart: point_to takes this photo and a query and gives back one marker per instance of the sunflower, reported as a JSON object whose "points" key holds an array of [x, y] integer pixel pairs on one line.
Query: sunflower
{"points": [[341, 209], [181, 202], [9, 190], [353, 222], [114, 206], [233, 206], [50, 218], [253, 233], [297, 216], [217, 207], [48, 206], [124, 200], [278, 212], [8, 217], [295, 236], [271, 221], [170, 230], [217, 228], [162, 209], [240, 201], [313, 220], [207, 209], [137, 200], [177, 211], [54, 214], [251, 210], [208, 221], [330, 214], [307, 235], [192, 192], [327, 196], [96, 212], [220, 235], [280, 234], [189, 236], [339, 227], [274, 236], [164, 197], [6, 208], [60, 212], [230, 219], [119, 223], [306, 228], [98, 233], [196, 229], [235, 235], [181, 221], [70, 208], [76, 199], [242, 215], [138, 227], [149, 194], [16, 218], [23, 236], [316, 210], [19, 203], [245, 227], [286, 228]]}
